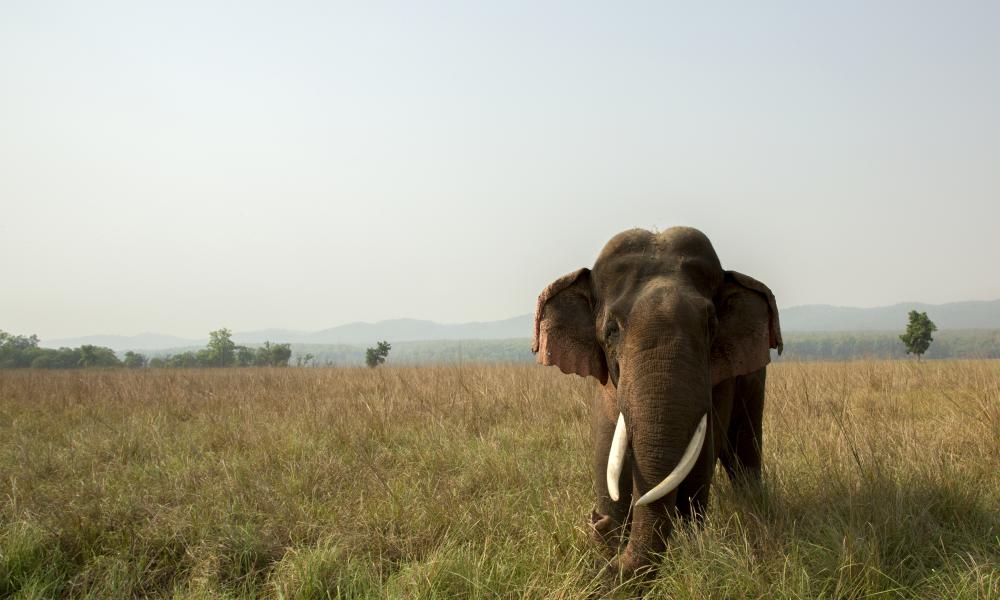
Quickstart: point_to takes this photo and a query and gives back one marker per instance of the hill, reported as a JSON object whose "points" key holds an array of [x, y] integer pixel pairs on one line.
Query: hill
{"points": [[799, 346], [807, 318], [412, 330], [358, 333], [953, 315], [121, 343]]}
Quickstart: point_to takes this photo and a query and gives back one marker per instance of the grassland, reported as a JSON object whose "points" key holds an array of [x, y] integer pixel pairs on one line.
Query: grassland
{"points": [[882, 480]]}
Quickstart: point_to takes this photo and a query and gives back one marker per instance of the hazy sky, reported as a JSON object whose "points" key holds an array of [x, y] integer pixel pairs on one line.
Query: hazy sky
{"points": [[184, 166]]}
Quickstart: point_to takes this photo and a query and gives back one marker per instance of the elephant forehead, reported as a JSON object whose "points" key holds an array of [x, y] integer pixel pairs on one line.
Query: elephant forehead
{"points": [[631, 268], [630, 241], [684, 241], [635, 257], [670, 244]]}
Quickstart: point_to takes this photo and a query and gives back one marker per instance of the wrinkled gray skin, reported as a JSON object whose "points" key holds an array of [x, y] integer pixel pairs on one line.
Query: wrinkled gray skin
{"points": [[671, 336]]}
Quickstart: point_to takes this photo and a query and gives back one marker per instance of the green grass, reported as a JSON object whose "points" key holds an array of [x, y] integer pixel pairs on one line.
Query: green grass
{"points": [[882, 480]]}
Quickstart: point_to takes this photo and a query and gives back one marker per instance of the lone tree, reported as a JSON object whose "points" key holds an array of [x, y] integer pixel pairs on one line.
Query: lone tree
{"points": [[918, 333], [376, 356]]}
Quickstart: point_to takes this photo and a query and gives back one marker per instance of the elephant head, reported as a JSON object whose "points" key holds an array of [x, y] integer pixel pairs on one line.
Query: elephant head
{"points": [[658, 320]]}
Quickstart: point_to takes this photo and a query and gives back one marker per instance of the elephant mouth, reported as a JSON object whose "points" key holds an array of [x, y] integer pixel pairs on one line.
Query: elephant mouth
{"points": [[616, 461]]}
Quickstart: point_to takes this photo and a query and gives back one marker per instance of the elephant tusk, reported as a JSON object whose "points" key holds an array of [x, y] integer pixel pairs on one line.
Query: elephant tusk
{"points": [[616, 458], [674, 479]]}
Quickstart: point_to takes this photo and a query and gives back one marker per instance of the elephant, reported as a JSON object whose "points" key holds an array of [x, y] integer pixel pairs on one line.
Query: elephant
{"points": [[680, 348]]}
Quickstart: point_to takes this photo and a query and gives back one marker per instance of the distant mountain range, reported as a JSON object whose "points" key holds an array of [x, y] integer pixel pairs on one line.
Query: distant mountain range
{"points": [[813, 317], [393, 330], [399, 330], [954, 315], [120, 343]]}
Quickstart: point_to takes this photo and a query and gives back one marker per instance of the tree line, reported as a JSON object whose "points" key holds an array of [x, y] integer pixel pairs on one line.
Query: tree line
{"points": [[221, 351], [20, 351], [973, 343]]}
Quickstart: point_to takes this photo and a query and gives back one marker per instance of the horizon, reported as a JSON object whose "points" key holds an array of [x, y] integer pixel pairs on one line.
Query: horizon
{"points": [[185, 167], [443, 323], [288, 330]]}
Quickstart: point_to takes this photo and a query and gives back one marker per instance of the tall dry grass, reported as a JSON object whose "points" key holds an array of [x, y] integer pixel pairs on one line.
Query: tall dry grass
{"points": [[882, 480]]}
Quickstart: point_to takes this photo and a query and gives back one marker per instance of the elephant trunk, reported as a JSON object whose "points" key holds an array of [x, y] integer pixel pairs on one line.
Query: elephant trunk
{"points": [[666, 397]]}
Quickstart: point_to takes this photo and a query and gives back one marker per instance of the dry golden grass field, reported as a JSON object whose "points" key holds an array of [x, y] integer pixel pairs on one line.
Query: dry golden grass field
{"points": [[882, 480]]}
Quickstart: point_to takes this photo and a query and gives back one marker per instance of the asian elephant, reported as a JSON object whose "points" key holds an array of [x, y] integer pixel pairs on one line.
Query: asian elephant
{"points": [[680, 347]]}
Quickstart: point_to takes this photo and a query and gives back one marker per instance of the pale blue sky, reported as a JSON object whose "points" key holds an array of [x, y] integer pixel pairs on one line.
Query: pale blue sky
{"points": [[189, 165]]}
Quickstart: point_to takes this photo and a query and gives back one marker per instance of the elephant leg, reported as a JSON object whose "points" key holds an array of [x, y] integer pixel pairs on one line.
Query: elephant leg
{"points": [[742, 461], [609, 519], [692, 495], [650, 528]]}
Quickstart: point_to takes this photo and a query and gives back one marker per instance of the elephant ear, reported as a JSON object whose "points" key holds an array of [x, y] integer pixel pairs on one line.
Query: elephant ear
{"points": [[565, 334], [748, 327]]}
